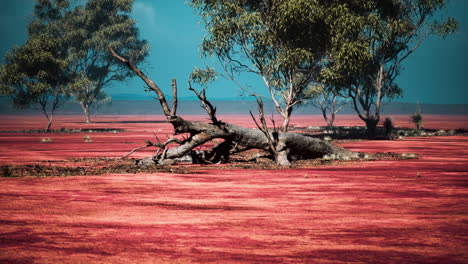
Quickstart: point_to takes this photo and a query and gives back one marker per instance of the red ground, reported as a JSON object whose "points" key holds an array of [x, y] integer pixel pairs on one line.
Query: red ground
{"points": [[410, 211]]}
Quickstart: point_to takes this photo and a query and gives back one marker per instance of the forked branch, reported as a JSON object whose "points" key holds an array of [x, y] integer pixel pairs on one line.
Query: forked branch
{"points": [[209, 108], [271, 137]]}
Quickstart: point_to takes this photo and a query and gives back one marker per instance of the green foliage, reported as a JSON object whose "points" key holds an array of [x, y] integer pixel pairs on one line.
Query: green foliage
{"points": [[35, 74], [370, 40], [203, 76], [91, 29], [354, 47], [67, 54], [283, 42]]}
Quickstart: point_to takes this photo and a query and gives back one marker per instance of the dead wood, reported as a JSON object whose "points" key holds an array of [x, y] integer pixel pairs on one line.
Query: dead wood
{"points": [[283, 145]]}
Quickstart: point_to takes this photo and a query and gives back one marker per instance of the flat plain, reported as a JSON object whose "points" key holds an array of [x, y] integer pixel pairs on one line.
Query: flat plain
{"points": [[379, 211]]}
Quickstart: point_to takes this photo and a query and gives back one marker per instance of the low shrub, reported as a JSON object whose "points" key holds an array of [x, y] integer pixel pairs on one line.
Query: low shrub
{"points": [[46, 140], [388, 125], [87, 139], [7, 171]]}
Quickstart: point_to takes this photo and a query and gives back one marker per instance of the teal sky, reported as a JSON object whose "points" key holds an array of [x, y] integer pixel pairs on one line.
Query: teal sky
{"points": [[436, 73]]}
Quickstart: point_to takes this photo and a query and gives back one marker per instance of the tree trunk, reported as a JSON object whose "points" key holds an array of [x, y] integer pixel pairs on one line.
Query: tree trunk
{"points": [[48, 116], [331, 120], [85, 108], [49, 122], [289, 146], [371, 124], [286, 118]]}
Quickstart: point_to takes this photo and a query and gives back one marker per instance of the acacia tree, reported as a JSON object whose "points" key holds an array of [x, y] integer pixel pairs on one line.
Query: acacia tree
{"points": [[35, 73], [90, 30], [371, 41], [282, 42]]}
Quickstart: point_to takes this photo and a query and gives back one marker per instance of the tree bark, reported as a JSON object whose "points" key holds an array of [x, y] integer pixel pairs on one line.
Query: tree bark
{"points": [[85, 108], [291, 146], [49, 122]]}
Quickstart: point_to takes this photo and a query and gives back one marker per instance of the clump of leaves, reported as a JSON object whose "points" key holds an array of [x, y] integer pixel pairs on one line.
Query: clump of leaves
{"points": [[87, 139]]}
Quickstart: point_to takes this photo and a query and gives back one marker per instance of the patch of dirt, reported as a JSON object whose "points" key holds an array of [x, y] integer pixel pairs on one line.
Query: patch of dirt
{"points": [[100, 166]]}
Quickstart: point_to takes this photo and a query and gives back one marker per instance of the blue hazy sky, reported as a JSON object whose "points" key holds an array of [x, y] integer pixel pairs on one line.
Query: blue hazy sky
{"points": [[436, 73]]}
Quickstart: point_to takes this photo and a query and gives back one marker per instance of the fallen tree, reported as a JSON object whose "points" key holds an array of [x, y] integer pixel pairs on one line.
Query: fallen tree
{"points": [[283, 146]]}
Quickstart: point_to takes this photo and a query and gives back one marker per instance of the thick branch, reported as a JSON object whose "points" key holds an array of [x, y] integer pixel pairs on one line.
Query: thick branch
{"points": [[149, 82]]}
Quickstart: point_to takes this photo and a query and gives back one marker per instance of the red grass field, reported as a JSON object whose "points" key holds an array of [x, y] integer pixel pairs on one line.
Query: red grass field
{"points": [[405, 211]]}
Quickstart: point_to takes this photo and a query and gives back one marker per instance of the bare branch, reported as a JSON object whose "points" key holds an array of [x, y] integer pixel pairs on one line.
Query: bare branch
{"points": [[231, 77], [174, 97], [272, 140], [148, 81], [209, 108], [148, 144]]}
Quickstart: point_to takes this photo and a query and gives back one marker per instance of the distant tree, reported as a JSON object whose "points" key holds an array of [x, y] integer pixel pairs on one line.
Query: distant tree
{"points": [[91, 29], [371, 40], [417, 119], [327, 99], [282, 42], [35, 73], [388, 126], [67, 54]]}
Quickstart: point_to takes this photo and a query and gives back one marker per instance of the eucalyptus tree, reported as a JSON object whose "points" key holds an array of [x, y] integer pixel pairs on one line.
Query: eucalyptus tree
{"points": [[371, 40], [91, 29], [267, 38], [66, 54], [327, 99], [283, 42], [35, 74]]}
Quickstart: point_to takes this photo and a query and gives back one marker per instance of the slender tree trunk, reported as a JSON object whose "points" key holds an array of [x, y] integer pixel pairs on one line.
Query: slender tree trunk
{"points": [[49, 121], [286, 119], [331, 120], [285, 125], [46, 114], [85, 108]]}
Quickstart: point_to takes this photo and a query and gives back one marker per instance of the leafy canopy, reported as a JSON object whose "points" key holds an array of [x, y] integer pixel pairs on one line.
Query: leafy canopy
{"points": [[36, 71]]}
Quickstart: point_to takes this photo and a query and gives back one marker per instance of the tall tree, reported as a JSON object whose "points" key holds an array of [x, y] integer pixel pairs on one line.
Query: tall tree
{"points": [[90, 30], [281, 41], [35, 73], [371, 41]]}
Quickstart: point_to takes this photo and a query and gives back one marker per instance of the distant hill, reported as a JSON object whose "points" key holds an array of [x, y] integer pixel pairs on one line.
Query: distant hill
{"points": [[231, 107]]}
